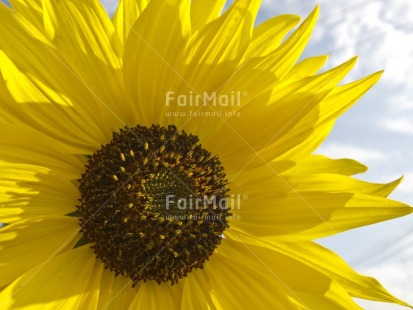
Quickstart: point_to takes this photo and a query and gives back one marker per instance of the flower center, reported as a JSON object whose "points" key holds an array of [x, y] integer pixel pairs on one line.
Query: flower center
{"points": [[153, 203]]}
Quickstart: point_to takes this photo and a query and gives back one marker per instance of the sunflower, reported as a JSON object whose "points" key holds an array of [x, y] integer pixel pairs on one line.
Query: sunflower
{"points": [[162, 159]]}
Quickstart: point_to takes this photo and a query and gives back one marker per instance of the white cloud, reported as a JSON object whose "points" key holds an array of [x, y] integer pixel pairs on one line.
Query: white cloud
{"points": [[380, 42], [399, 125], [402, 101], [336, 150], [371, 305]]}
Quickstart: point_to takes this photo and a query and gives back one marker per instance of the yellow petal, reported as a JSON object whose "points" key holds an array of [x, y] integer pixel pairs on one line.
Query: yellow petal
{"points": [[307, 67], [25, 102], [341, 98], [279, 281], [84, 36], [68, 281], [211, 56], [18, 147], [215, 51], [152, 295], [333, 266], [28, 243], [336, 103], [276, 120], [237, 175], [205, 11], [153, 55], [115, 292], [266, 179], [126, 15], [277, 64], [268, 35], [326, 262], [288, 53], [31, 10], [91, 294], [92, 31], [5, 116], [328, 182], [234, 290], [40, 95], [28, 191], [304, 123], [309, 215], [280, 109], [259, 75], [320, 164], [198, 292]]}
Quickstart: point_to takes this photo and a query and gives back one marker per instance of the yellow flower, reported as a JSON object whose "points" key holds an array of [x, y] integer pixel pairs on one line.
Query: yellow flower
{"points": [[117, 136]]}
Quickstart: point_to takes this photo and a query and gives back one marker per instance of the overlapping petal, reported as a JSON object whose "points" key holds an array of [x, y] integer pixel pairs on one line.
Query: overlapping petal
{"points": [[126, 15], [115, 292], [85, 38], [153, 56], [28, 191], [205, 11], [264, 277], [32, 10], [51, 101], [70, 280], [43, 237], [311, 254], [309, 206]]}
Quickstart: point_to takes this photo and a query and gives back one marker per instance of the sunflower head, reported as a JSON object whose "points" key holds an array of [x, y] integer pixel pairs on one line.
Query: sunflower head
{"points": [[153, 203]]}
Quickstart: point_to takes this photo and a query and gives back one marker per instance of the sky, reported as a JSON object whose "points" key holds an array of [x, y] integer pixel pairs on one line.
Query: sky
{"points": [[378, 131]]}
